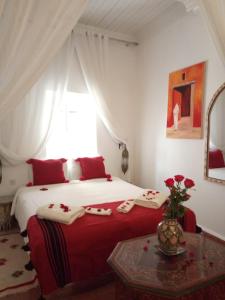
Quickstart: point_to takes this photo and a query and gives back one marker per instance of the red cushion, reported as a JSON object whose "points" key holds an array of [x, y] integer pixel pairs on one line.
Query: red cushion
{"points": [[92, 167], [216, 159], [47, 171]]}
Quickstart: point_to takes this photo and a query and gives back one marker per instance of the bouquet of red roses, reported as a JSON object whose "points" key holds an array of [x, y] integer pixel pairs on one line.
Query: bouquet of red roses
{"points": [[178, 193]]}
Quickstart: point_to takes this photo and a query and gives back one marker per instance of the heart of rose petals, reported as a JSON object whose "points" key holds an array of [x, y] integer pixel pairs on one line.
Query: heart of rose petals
{"points": [[65, 207]]}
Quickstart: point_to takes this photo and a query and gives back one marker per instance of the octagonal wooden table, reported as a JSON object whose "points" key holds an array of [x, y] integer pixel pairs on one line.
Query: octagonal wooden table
{"points": [[146, 273]]}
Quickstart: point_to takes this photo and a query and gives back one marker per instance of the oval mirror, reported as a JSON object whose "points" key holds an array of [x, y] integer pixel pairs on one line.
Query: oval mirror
{"points": [[215, 145]]}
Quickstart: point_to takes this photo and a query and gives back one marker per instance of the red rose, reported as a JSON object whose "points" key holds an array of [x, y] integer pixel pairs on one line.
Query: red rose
{"points": [[169, 182], [178, 178], [188, 183]]}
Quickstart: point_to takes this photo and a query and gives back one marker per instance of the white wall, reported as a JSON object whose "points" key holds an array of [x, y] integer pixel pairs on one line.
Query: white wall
{"points": [[175, 40], [122, 65]]}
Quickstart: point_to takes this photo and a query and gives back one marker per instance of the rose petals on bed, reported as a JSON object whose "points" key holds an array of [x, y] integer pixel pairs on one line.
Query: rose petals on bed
{"points": [[151, 199], [126, 206], [60, 213], [98, 211], [43, 189], [65, 208]]}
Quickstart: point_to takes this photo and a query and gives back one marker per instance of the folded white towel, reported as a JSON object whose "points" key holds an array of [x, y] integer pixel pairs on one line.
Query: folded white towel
{"points": [[60, 213], [151, 199], [126, 206], [98, 211]]}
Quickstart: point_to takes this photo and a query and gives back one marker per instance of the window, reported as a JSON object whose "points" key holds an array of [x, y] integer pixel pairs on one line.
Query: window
{"points": [[74, 130]]}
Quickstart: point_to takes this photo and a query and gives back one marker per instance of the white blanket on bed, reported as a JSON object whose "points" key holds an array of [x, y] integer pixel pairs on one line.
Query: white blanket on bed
{"points": [[218, 173], [76, 193]]}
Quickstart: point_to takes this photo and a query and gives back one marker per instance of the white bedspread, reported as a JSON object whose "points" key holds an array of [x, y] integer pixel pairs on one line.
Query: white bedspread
{"points": [[218, 173], [77, 193]]}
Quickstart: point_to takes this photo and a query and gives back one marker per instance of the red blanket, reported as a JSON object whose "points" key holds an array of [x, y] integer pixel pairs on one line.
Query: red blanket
{"points": [[70, 253]]}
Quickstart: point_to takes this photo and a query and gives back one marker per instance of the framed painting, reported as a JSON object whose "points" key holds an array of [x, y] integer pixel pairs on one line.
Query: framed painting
{"points": [[185, 99]]}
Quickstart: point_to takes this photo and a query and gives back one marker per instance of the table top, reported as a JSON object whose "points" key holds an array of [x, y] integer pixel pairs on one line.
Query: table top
{"points": [[140, 264]]}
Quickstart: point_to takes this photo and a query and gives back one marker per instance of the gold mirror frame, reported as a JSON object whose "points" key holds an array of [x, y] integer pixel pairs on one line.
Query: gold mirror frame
{"points": [[211, 104]]}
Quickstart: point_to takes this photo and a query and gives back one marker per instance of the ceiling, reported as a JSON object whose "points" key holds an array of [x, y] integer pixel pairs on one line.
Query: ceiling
{"points": [[124, 16]]}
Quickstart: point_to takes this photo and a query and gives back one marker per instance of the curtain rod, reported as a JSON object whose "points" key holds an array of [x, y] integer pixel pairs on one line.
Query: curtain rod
{"points": [[119, 40], [122, 38], [124, 41]]}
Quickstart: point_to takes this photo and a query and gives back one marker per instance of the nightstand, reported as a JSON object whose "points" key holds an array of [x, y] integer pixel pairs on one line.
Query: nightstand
{"points": [[5, 208]]}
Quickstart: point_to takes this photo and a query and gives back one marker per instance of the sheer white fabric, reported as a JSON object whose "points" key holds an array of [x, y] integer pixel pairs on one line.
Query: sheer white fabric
{"points": [[92, 51], [31, 33], [213, 13], [26, 129], [74, 133]]}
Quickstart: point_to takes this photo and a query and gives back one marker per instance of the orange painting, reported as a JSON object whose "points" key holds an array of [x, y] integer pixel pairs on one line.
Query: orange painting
{"points": [[185, 98]]}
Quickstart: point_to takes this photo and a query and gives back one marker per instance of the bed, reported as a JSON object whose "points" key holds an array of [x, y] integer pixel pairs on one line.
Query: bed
{"points": [[217, 173], [62, 254]]}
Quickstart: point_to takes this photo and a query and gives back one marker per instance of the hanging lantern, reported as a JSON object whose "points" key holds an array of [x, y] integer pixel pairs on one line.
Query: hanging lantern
{"points": [[0, 171], [125, 159]]}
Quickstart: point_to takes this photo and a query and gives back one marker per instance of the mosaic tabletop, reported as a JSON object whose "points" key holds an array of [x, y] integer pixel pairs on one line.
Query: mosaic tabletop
{"points": [[140, 264]]}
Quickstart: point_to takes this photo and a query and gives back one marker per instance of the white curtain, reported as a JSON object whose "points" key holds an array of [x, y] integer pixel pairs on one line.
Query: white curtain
{"points": [[26, 129], [31, 33], [213, 13], [93, 53]]}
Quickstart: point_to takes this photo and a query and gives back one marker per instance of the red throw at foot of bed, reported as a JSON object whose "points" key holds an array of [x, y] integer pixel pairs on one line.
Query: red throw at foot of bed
{"points": [[72, 253]]}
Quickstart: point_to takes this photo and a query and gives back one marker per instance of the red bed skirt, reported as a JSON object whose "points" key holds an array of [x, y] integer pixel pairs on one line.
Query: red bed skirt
{"points": [[73, 253]]}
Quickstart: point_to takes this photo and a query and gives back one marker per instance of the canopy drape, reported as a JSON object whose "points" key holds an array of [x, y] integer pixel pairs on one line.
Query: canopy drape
{"points": [[213, 13], [31, 33], [93, 53], [25, 131]]}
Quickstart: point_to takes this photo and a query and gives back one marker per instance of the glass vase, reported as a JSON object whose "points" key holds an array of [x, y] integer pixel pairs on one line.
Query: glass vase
{"points": [[170, 237]]}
